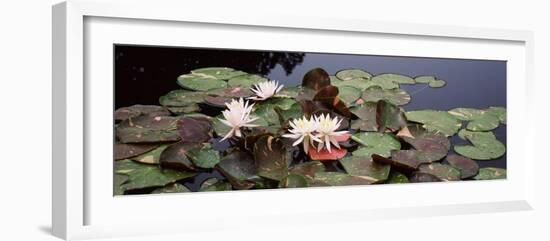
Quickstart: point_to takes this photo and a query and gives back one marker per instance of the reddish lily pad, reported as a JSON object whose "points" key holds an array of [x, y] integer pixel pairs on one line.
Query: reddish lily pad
{"points": [[325, 155], [403, 160], [389, 117], [366, 113], [328, 95], [423, 177], [271, 158], [316, 79], [468, 168], [137, 110], [147, 129], [175, 157], [195, 129], [365, 166], [125, 151], [430, 147], [442, 171]]}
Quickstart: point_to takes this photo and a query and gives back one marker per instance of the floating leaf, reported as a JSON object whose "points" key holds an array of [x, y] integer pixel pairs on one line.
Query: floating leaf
{"points": [[393, 78], [490, 173], [180, 98], [389, 116], [148, 129], [174, 157], [293, 180], [365, 166], [184, 109], [480, 120], [349, 94], [125, 151], [271, 158], [350, 74], [397, 177], [342, 179], [316, 79], [442, 171], [437, 83], [137, 110], [266, 110], [468, 168], [424, 79], [172, 188], [204, 156], [429, 146], [394, 96], [238, 165], [194, 129], [404, 160], [328, 95], [200, 82], [423, 177], [433, 120], [246, 81], [375, 143], [221, 73], [366, 113], [289, 92], [359, 83], [213, 185], [151, 157], [294, 112], [484, 146], [499, 112], [325, 155], [308, 169], [118, 181], [145, 175], [231, 92]]}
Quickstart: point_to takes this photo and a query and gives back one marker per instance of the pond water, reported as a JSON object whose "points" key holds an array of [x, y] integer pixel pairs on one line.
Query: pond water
{"points": [[143, 74]]}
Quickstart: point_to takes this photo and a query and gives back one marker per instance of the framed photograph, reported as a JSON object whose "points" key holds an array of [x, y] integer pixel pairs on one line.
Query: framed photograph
{"points": [[226, 118]]}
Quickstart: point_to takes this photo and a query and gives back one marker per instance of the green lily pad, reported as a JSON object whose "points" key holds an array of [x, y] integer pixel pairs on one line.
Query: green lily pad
{"points": [[468, 168], [289, 92], [365, 166], [442, 171], [271, 158], [293, 180], [219, 127], [125, 151], [499, 112], [423, 177], [433, 120], [389, 117], [437, 83], [214, 185], [375, 143], [175, 157], [484, 146], [396, 178], [118, 181], [200, 82], [147, 129], [246, 81], [424, 79], [137, 110], [430, 147], [151, 157], [316, 79], [221, 73], [349, 94], [182, 98], [230, 92], [395, 78], [479, 120], [366, 113], [490, 173], [204, 156], [342, 179], [184, 109], [308, 169], [145, 175], [194, 129], [359, 83], [294, 112], [172, 188], [266, 110], [394, 96], [350, 74], [238, 165]]}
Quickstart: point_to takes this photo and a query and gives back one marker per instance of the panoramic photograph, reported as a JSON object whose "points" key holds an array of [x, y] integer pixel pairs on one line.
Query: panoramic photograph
{"points": [[200, 119]]}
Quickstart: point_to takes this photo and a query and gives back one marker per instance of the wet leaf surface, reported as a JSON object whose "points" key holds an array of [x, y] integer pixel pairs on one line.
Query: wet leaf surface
{"points": [[433, 120], [194, 129], [175, 157], [424, 79], [246, 81], [325, 155], [490, 173], [181, 98], [402, 160], [308, 169], [437, 83], [393, 78], [468, 168], [441, 171], [137, 110], [342, 179], [271, 158], [479, 120], [350, 74], [238, 165], [484, 146], [204, 156], [423, 177], [365, 166], [366, 113], [152, 157], [125, 151], [146, 129], [389, 117], [375, 143], [430, 147], [200, 82], [394, 96], [221, 73], [172, 188], [214, 185], [349, 94], [145, 175]]}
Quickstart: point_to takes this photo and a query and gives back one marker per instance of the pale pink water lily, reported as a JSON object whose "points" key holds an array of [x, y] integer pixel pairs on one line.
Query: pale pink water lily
{"points": [[326, 131], [236, 116], [302, 130], [265, 90]]}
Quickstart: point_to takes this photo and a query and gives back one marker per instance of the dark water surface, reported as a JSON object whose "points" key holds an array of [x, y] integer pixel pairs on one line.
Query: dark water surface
{"points": [[143, 74]]}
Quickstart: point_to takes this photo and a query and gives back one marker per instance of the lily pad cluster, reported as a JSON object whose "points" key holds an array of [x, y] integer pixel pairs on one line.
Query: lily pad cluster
{"points": [[177, 146]]}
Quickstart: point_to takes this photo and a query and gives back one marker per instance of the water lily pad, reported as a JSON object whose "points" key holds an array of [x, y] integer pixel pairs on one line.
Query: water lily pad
{"points": [[375, 143], [316, 79], [308, 169], [424, 79], [490, 173], [180, 110], [403, 160], [271, 158], [246, 81], [394, 96], [484, 146], [200, 82], [423, 177], [468, 168], [294, 112], [137, 110], [194, 129], [204, 156], [181, 98], [151, 157], [359, 83], [433, 120], [395, 78], [221, 73], [349, 94], [217, 101], [366, 113], [397, 177], [266, 110], [499, 112], [230, 92], [430, 147], [238, 165], [175, 157], [365, 166], [325, 155], [118, 181], [389, 117], [125, 151], [293, 180], [148, 129], [172, 188], [350, 74], [437, 83], [442, 171], [480, 120], [145, 175], [214, 185], [342, 179], [328, 95], [289, 92]]}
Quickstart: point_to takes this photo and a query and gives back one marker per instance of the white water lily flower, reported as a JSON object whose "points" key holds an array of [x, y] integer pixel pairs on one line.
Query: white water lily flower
{"points": [[236, 116], [265, 90], [302, 130], [326, 131]]}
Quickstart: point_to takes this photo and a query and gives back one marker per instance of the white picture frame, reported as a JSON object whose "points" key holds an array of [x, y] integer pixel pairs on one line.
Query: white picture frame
{"points": [[82, 205]]}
